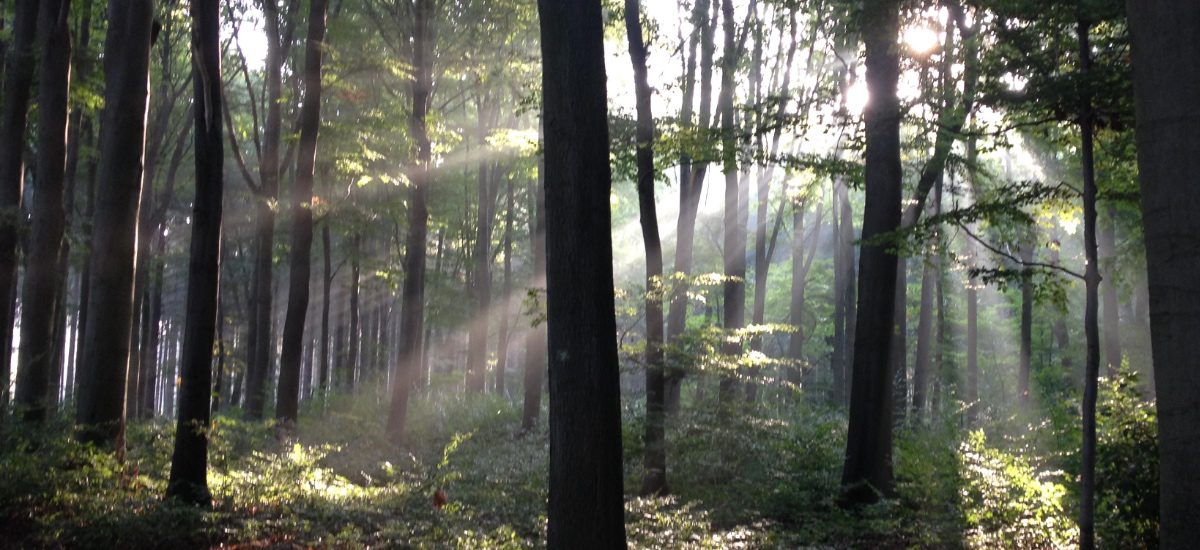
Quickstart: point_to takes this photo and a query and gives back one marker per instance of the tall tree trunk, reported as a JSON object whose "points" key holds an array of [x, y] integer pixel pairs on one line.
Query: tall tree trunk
{"points": [[654, 481], [18, 79], [36, 385], [324, 384], [219, 384], [734, 285], [1168, 141], [586, 507], [189, 463], [1026, 349], [101, 407], [1108, 290], [868, 465], [535, 338], [287, 405], [1087, 496], [898, 354], [258, 363], [691, 183], [973, 404], [481, 278], [150, 364], [412, 293], [845, 294], [353, 336], [506, 292], [923, 370]]}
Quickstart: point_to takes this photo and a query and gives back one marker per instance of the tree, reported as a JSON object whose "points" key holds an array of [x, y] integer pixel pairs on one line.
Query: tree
{"points": [[535, 339], [586, 503], [691, 181], [14, 110], [1168, 143], [287, 406], [412, 293], [189, 462], [655, 461], [734, 284], [868, 464], [100, 413], [1087, 126], [36, 381]]}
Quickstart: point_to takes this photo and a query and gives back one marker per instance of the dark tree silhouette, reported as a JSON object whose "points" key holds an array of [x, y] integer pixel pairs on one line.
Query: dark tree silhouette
{"points": [[101, 408], [36, 371], [586, 503], [189, 462], [287, 405], [868, 465], [1168, 139]]}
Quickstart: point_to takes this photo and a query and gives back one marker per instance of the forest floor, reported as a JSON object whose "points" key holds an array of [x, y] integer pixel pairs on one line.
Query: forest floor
{"points": [[763, 478]]}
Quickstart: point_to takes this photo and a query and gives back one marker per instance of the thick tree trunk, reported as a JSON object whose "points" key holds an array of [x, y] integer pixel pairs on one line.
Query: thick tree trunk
{"points": [[36, 383], [868, 466], [287, 406], [1168, 161], [189, 463], [586, 507], [412, 293], [654, 481], [18, 78], [100, 412], [258, 360]]}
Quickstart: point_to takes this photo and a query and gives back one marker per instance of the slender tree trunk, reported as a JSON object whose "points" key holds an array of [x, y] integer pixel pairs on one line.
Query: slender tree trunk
{"points": [[923, 370], [101, 408], [973, 404], [691, 184], [868, 465], [189, 463], [1108, 290], [353, 336], [734, 285], [36, 383], [326, 287], [412, 293], [219, 383], [150, 364], [1026, 349], [18, 79], [258, 363], [481, 278], [586, 507], [1087, 496], [287, 405], [535, 338], [506, 293], [654, 481]]}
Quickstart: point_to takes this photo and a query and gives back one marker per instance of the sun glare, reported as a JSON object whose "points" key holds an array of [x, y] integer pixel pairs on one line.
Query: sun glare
{"points": [[921, 40]]}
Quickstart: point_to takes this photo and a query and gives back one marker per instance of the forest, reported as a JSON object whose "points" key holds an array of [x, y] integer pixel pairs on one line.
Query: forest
{"points": [[580, 274]]}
